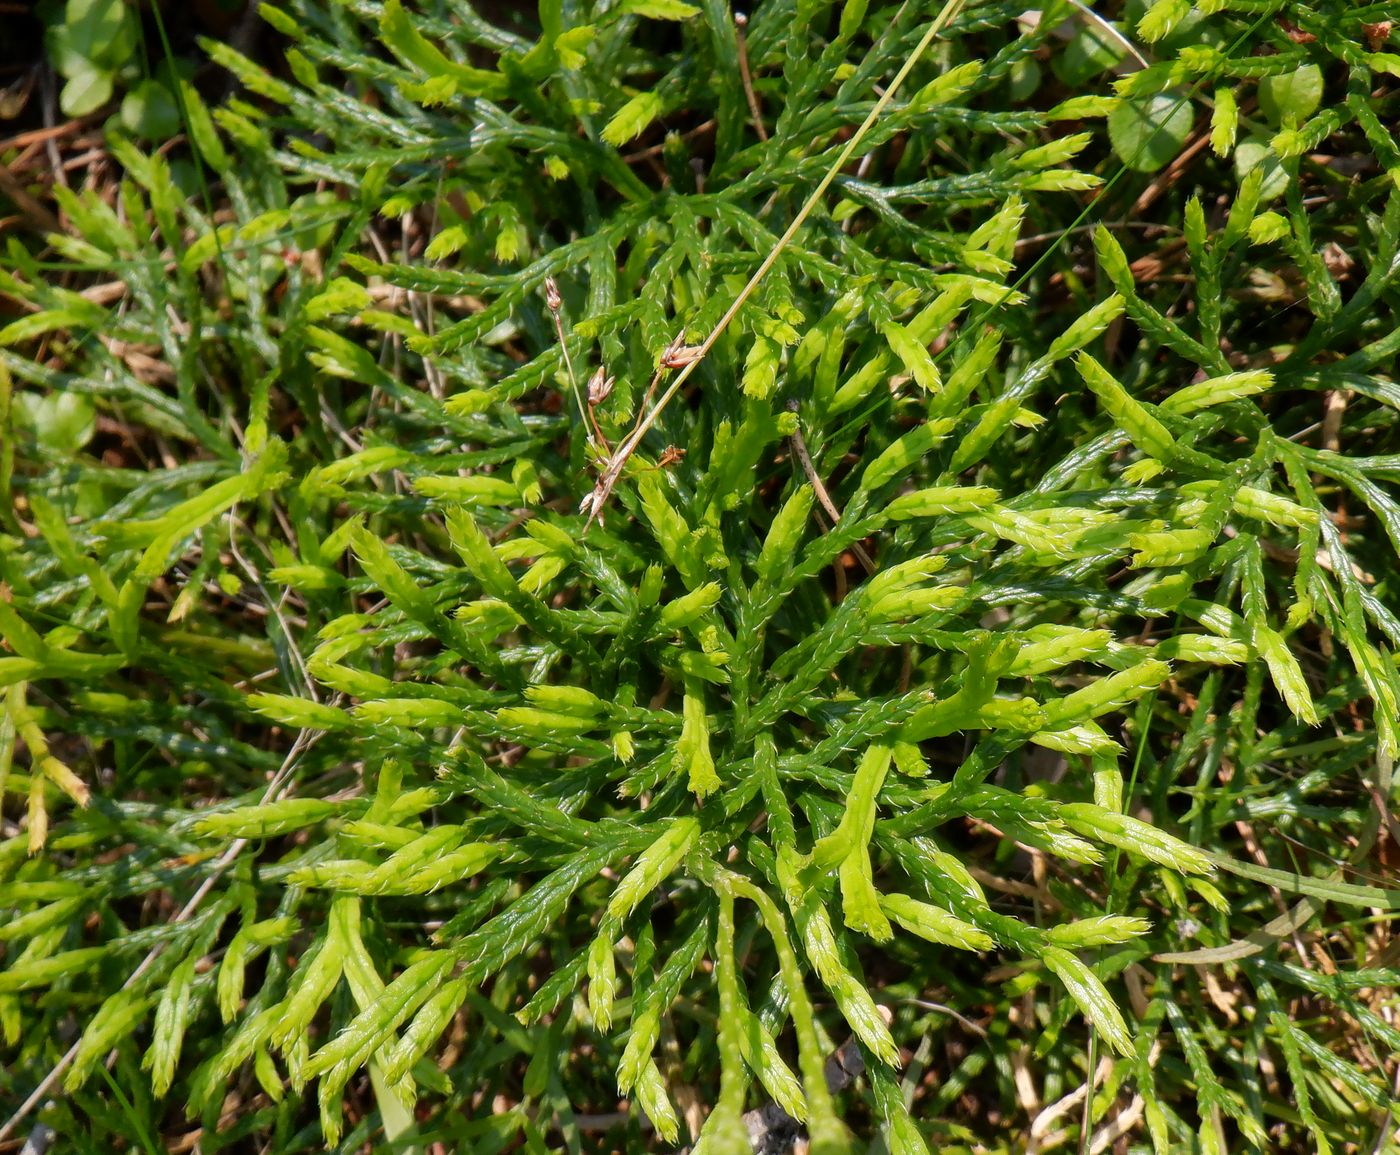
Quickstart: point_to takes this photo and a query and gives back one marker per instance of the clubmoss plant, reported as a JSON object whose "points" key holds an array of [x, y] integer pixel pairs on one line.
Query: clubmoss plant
{"points": [[965, 624]]}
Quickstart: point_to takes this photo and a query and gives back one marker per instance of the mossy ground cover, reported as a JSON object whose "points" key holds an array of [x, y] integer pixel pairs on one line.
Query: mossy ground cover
{"points": [[561, 567]]}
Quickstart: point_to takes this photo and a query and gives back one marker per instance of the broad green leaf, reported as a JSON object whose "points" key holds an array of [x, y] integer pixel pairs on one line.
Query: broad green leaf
{"points": [[1148, 133], [1256, 156], [1092, 50], [100, 30], [62, 422], [149, 112], [86, 91], [1293, 95]]}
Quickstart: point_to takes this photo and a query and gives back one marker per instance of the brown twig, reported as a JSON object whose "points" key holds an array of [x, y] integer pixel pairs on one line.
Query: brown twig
{"points": [[740, 23], [43, 135]]}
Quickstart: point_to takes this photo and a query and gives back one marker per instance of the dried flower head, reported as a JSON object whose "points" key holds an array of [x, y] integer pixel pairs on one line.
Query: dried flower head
{"points": [[677, 354], [592, 505], [599, 386], [551, 294], [1377, 34]]}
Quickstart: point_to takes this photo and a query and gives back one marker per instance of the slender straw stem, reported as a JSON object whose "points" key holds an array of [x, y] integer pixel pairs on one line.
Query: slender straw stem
{"points": [[568, 363]]}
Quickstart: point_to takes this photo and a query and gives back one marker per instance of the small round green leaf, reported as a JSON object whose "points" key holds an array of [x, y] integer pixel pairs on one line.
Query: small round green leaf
{"points": [[96, 26], [149, 111], [1093, 51], [62, 422], [1023, 80], [1255, 154], [63, 53], [1148, 134], [1295, 94], [86, 91]]}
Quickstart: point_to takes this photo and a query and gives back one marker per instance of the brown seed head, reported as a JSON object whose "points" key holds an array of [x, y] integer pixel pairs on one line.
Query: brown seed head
{"points": [[1377, 34], [551, 294], [677, 355], [599, 386]]}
